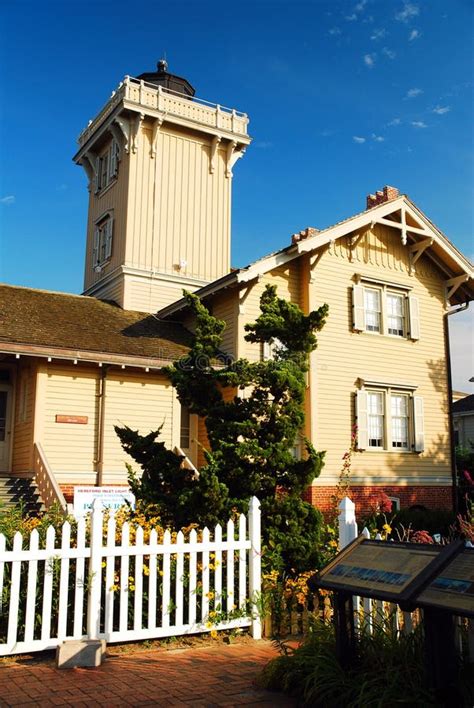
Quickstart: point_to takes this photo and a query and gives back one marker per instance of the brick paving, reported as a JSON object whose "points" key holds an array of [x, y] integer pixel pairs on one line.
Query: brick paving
{"points": [[201, 677]]}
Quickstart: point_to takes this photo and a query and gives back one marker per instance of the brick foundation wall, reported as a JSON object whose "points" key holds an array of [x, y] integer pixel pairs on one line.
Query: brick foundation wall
{"points": [[429, 497]]}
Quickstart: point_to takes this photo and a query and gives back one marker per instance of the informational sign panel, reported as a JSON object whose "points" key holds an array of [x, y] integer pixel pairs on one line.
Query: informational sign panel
{"points": [[453, 588], [110, 498], [382, 570]]}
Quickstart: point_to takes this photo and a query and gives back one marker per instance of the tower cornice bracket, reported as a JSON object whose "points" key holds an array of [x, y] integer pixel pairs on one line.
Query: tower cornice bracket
{"points": [[229, 153], [136, 131], [154, 138], [117, 135], [124, 126], [214, 147]]}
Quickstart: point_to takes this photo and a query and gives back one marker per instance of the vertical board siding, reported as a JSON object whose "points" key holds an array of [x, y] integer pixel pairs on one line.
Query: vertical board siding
{"points": [[178, 210], [343, 356], [113, 198], [22, 452], [141, 401], [69, 448]]}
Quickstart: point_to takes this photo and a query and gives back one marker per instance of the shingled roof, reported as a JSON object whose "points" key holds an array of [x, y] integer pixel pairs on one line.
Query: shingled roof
{"points": [[45, 322], [464, 405]]}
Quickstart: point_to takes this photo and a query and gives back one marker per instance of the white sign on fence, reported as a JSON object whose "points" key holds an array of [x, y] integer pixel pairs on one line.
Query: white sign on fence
{"points": [[109, 497]]}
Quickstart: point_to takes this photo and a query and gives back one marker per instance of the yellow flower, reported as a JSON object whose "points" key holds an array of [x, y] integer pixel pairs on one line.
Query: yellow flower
{"points": [[333, 544], [387, 528], [209, 625], [210, 595], [214, 633]]}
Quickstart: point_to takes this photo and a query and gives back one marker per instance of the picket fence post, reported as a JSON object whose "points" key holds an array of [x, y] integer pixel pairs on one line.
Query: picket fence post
{"points": [[95, 571], [347, 522], [255, 563]]}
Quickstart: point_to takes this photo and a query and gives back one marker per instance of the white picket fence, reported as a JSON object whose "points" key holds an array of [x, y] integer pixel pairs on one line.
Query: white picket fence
{"points": [[128, 591]]}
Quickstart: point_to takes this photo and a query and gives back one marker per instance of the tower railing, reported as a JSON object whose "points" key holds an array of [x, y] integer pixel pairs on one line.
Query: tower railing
{"points": [[169, 103]]}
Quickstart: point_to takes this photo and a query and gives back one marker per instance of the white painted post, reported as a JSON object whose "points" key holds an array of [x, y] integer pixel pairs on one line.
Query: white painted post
{"points": [[95, 572], [347, 522], [255, 563]]}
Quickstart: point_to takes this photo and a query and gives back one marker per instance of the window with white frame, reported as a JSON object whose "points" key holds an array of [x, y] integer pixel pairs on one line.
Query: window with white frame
{"points": [[382, 308], [107, 166], [375, 418], [185, 430], [103, 235], [389, 419]]}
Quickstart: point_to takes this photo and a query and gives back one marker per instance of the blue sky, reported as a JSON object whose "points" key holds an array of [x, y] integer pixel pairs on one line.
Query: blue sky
{"points": [[343, 97]]}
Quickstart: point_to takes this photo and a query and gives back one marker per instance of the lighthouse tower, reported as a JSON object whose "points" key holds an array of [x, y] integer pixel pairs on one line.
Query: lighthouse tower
{"points": [[159, 163]]}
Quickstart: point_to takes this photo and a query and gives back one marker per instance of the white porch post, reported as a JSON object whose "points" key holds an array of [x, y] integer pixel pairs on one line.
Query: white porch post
{"points": [[255, 563]]}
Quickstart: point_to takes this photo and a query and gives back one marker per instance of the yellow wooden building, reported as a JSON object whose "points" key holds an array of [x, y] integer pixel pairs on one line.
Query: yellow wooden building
{"points": [[159, 163]]}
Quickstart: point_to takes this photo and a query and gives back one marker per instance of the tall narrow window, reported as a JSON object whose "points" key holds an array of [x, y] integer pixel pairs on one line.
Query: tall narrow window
{"points": [[375, 418], [396, 314], [185, 430], [399, 418], [373, 310]]}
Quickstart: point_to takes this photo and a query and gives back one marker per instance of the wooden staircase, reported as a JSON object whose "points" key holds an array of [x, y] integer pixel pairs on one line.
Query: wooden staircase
{"points": [[19, 491]]}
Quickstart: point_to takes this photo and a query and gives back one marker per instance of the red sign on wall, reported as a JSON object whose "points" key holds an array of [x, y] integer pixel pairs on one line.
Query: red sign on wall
{"points": [[77, 419]]}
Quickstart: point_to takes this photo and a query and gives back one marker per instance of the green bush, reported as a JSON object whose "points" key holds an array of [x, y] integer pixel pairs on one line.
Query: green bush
{"points": [[431, 520]]}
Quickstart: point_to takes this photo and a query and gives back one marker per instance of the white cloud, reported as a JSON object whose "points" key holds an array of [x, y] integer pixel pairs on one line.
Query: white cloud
{"points": [[414, 92], [410, 10], [418, 124], [351, 18], [378, 138], [334, 31], [357, 139], [395, 121], [389, 53], [461, 327], [378, 34], [441, 110], [369, 60], [10, 199], [360, 5], [414, 34]]}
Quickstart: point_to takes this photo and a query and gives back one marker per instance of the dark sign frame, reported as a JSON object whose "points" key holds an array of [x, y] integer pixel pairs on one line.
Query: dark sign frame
{"points": [[442, 555]]}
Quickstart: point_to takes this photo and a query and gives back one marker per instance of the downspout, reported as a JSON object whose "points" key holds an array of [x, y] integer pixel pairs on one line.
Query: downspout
{"points": [[454, 475], [99, 458]]}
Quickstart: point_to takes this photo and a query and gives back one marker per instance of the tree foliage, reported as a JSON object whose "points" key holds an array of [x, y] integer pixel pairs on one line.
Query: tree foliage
{"points": [[254, 415]]}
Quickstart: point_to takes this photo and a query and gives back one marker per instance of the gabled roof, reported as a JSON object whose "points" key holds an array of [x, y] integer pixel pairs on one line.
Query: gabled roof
{"points": [[464, 405], [417, 231], [45, 323]]}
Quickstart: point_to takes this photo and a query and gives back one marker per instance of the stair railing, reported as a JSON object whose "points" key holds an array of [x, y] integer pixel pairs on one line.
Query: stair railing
{"points": [[48, 488]]}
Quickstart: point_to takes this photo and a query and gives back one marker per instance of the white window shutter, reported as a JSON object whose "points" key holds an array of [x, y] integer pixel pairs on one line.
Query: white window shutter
{"points": [[113, 160], [414, 316], [266, 351], [97, 174], [362, 420], [109, 226], [358, 308], [418, 424], [95, 252]]}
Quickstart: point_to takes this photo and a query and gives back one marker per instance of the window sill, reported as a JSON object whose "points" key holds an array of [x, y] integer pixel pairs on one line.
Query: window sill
{"points": [[382, 334], [103, 191]]}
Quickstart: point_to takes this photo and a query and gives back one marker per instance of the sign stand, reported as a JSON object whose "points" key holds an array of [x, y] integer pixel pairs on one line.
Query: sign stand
{"points": [[440, 656], [345, 631]]}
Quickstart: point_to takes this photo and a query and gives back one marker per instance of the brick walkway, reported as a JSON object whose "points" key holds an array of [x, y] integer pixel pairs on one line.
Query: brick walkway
{"points": [[202, 677]]}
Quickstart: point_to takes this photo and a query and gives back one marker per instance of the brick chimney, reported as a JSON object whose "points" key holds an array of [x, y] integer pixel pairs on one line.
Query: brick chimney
{"points": [[306, 233], [380, 197]]}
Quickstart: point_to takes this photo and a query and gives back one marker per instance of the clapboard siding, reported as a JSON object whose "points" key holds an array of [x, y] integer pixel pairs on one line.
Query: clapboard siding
{"points": [[287, 280], [225, 308], [344, 356], [23, 423]]}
